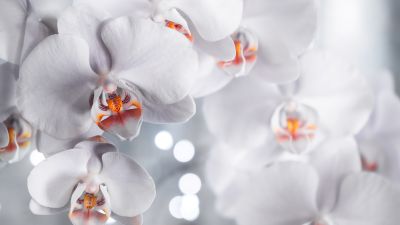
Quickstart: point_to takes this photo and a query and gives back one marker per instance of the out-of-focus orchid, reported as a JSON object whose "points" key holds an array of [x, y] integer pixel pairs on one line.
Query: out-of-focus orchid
{"points": [[249, 112], [228, 166], [291, 193], [24, 23], [115, 73], [271, 37], [378, 140], [94, 182], [15, 132]]}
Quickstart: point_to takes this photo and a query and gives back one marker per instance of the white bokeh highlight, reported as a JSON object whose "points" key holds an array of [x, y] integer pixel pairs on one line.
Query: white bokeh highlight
{"points": [[190, 184], [164, 140], [36, 157], [184, 151]]}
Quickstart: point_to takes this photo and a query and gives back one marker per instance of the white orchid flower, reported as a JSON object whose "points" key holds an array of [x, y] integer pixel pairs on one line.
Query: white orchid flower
{"points": [[271, 37], [378, 140], [330, 99], [291, 193], [16, 133], [93, 182], [115, 73], [227, 166], [24, 23]]}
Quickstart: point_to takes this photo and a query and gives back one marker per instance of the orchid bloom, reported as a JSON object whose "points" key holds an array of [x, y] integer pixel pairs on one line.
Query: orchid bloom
{"points": [[378, 139], [296, 116], [297, 197], [24, 23], [325, 188], [115, 73], [15, 132], [271, 37], [332, 158], [94, 182]]}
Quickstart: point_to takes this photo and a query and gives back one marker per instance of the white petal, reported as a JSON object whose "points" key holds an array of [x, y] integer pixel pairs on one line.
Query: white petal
{"points": [[334, 159], [285, 194], [38, 209], [52, 182], [8, 89], [131, 188], [49, 145], [327, 83], [12, 25], [35, 32], [275, 64], [49, 9], [4, 139], [293, 24], [213, 19], [85, 22], [210, 77], [178, 112], [148, 55], [119, 8], [137, 220], [367, 199], [55, 86], [240, 114]]}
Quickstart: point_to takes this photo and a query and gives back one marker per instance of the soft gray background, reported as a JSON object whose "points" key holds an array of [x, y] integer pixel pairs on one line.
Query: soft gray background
{"points": [[364, 31]]}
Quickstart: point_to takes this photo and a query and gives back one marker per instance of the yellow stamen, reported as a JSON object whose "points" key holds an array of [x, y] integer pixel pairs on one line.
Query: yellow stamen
{"points": [[89, 201], [115, 104]]}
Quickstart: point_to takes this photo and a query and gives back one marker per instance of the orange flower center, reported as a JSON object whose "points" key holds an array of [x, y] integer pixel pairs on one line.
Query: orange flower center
{"points": [[89, 201], [179, 28]]}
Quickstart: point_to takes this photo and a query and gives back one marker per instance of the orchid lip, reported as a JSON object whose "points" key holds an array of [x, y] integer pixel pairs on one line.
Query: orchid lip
{"points": [[295, 126], [246, 48], [179, 28], [19, 133]]}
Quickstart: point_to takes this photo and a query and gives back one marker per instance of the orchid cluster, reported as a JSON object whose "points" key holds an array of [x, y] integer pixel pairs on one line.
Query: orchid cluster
{"points": [[301, 137]]}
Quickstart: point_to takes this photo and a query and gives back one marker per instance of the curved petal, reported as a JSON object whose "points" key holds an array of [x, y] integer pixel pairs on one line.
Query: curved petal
{"points": [[367, 199], [49, 145], [60, 67], [85, 22], [213, 19], [285, 193], [179, 112], [291, 23], [210, 78], [275, 64], [49, 9], [4, 139], [334, 159], [8, 89], [165, 57], [327, 83], [35, 32], [13, 15], [119, 8], [137, 220], [52, 182], [38, 209], [239, 115], [131, 188]]}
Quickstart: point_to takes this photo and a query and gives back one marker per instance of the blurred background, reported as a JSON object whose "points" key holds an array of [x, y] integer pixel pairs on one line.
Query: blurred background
{"points": [[365, 32]]}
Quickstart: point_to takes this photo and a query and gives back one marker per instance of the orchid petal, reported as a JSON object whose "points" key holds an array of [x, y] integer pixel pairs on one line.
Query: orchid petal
{"points": [[137, 220], [277, 190], [85, 23], [49, 10], [8, 89], [367, 199], [334, 159], [178, 112], [292, 24], [119, 8], [49, 145], [327, 82], [13, 15], [131, 188], [213, 19], [38, 209], [4, 139], [60, 67], [164, 57], [240, 113]]}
